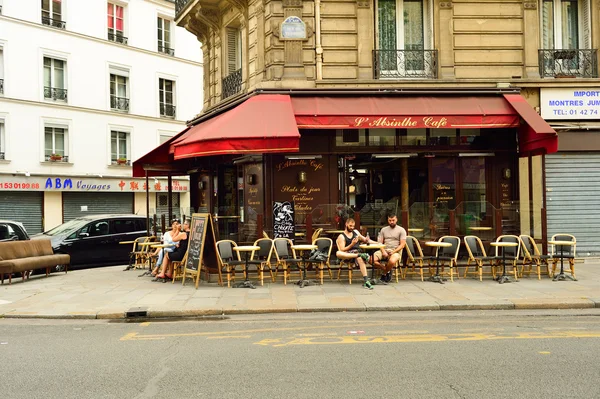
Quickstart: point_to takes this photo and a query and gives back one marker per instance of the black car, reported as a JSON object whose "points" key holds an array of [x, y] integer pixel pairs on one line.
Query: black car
{"points": [[12, 231], [94, 240]]}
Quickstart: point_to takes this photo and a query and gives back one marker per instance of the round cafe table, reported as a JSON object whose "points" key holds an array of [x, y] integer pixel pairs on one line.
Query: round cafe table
{"points": [[437, 244], [371, 249], [480, 228], [503, 244], [247, 249], [303, 249], [562, 244]]}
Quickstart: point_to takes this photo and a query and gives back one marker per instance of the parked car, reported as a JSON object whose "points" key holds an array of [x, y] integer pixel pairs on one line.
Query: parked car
{"points": [[94, 240], [12, 231]]}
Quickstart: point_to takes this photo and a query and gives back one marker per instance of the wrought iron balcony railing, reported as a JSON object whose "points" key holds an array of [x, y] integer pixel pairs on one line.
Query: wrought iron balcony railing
{"points": [[572, 63], [56, 94], [53, 22], [1, 86], [166, 50], [56, 158], [180, 5], [117, 37], [231, 84], [401, 64], [119, 103], [167, 110]]}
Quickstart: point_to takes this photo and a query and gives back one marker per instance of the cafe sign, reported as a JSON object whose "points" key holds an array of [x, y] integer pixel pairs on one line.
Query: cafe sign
{"points": [[85, 184], [570, 103], [406, 121]]}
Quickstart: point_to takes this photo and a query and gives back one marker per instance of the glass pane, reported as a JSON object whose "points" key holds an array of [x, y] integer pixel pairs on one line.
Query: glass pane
{"points": [[46, 5], [169, 85], [47, 76], [169, 97], [110, 16], [442, 137], [548, 24], [442, 171], [382, 137], [473, 170], [386, 15], [350, 138], [48, 148], [56, 9], [59, 75], [569, 31], [113, 146], [122, 146], [167, 37], [468, 136], [416, 137], [414, 35], [59, 141]]}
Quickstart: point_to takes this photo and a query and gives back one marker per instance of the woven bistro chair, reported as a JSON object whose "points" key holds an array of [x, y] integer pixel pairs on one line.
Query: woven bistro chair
{"points": [[414, 258], [316, 234], [133, 255], [347, 262], [511, 253], [286, 258], [532, 257], [262, 258], [568, 252], [447, 255], [144, 255], [478, 257], [325, 245], [179, 266], [228, 259]]}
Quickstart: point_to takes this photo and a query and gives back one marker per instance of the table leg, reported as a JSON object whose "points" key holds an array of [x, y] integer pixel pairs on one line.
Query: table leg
{"points": [[303, 282], [246, 283], [562, 276], [503, 278], [437, 278], [372, 280]]}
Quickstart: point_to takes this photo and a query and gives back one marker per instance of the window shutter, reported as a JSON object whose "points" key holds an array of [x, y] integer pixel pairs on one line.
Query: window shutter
{"points": [[585, 23], [232, 50]]}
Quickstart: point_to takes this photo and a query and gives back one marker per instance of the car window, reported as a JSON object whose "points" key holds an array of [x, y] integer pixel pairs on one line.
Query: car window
{"points": [[140, 224], [5, 231], [16, 230], [97, 228], [65, 227], [124, 226]]}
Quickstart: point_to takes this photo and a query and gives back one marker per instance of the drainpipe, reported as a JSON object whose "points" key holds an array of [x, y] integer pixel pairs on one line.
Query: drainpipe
{"points": [[318, 48]]}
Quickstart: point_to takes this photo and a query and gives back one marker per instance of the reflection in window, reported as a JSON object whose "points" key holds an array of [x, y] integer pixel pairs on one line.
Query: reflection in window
{"points": [[442, 137], [350, 138], [443, 177], [414, 137], [468, 136], [382, 137]]}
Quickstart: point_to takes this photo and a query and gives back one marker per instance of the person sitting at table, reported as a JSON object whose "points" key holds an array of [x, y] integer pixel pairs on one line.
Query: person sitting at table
{"points": [[167, 239], [394, 239], [348, 247], [166, 271]]}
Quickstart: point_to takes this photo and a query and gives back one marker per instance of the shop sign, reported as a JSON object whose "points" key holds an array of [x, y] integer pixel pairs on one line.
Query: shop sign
{"points": [[82, 184], [570, 103], [293, 28], [406, 121]]}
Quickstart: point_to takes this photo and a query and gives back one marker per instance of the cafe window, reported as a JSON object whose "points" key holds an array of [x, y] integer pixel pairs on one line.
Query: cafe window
{"points": [[351, 138], [120, 148], [382, 137], [414, 137], [55, 143], [442, 137], [443, 175], [469, 136]]}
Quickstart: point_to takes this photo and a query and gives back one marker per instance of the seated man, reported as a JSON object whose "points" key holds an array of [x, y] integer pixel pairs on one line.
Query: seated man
{"points": [[394, 239], [348, 247], [167, 239]]}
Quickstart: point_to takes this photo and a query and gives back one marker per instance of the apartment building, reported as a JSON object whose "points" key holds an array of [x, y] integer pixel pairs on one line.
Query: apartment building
{"points": [[86, 87], [446, 112]]}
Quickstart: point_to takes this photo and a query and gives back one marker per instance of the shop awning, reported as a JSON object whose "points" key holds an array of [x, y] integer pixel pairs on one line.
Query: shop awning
{"points": [[262, 124], [413, 112], [157, 161]]}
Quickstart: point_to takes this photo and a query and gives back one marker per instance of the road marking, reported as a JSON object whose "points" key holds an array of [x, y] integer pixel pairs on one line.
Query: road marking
{"points": [[145, 324], [544, 353], [230, 336], [349, 339], [407, 332]]}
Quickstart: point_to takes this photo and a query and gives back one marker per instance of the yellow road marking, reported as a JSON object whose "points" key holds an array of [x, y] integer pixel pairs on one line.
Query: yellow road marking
{"points": [[145, 324], [230, 336], [544, 353], [407, 332]]}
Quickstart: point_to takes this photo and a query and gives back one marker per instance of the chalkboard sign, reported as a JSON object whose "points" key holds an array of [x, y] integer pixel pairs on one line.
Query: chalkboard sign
{"points": [[283, 220], [201, 241]]}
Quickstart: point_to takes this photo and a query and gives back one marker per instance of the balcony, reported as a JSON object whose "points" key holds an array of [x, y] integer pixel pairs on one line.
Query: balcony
{"points": [[231, 84], [119, 103], [55, 94], [1, 86], [166, 50], [56, 23], [167, 110], [117, 37], [571, 63], [404, 64], [180, 5], [56, 158]]}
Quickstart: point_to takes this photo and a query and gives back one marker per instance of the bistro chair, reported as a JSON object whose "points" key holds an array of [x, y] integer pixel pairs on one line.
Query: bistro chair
{"points": [[414, 258], [265, 235], [262, 258], [568, 252], [286, 258], [228, 259], [478, 256], [144, 254], [316, 234], [532, 257], [133, 255], [347, 261], [179, 268], [511, 254], [324, 245], [447, 255]]}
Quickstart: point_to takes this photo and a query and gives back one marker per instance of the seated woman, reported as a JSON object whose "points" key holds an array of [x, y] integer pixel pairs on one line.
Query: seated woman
{"points": [[176, 255], [167, 239]]}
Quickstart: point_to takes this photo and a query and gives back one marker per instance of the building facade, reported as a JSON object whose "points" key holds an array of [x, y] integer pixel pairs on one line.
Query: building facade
{"points": [[86, 87], [429, 108]]}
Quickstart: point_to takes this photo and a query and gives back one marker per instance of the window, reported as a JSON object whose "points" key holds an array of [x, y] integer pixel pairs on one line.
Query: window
{"points": [[2, 141], [119, 148], [163, 138], [55, 144], [115, 24], [234, 50], [401, 38], [1, 71], [164, 36], [54, 79], [52, 13], [165, 94], [119, 99]]}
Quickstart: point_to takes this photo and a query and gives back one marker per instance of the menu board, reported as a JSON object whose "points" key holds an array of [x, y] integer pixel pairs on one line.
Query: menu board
{"points": [[283, 220], [201, 243]]}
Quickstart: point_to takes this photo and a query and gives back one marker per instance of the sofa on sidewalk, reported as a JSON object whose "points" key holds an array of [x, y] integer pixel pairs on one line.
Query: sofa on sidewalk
{"points": [[24, 256]]}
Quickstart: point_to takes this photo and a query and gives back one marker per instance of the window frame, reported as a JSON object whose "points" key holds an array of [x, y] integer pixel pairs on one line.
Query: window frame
{"points": [[50, 13], [3, 139], [583, 36], [128, 145], [160, 33], [117, 33], [118, 73], [53, 150], [238, 49], [162, 93]]}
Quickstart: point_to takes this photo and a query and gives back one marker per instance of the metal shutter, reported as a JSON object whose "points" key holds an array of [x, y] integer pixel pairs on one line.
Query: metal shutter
{"points": [[573, 198], [24, 207], [97, 204]]}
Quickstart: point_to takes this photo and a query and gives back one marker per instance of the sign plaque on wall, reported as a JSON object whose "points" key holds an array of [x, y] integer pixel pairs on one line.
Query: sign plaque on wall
{"points": [[293, 28]]}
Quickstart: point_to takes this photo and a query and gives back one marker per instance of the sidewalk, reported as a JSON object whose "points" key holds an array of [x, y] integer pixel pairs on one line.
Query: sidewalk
{"points": [[109, 293]]}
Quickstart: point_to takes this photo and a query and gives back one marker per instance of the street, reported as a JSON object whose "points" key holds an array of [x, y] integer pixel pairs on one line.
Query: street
{"points": [[479, 354]]}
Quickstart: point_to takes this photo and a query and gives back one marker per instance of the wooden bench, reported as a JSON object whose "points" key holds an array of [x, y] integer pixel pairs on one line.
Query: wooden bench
{"points": [[24, 256]]}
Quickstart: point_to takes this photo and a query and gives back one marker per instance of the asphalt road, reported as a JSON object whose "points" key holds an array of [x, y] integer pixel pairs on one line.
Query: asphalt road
{"points": [[492, 354]]}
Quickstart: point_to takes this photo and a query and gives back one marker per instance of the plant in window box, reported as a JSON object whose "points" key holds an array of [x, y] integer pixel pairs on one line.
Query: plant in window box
{"points": [[121, 161], [56, 157]]}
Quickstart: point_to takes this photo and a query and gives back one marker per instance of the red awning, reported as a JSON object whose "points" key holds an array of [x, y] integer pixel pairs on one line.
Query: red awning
{"points": [[158, 156], [262, 124]]}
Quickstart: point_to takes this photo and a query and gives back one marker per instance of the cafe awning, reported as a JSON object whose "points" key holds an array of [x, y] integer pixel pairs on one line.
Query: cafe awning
{"points": [[262, 124], [156, 162], [412, 112]]}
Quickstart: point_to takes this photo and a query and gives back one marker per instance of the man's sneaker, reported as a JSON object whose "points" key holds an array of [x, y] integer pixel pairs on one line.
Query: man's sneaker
{"points": [[367, 284], [388, 276], [383, 280]]}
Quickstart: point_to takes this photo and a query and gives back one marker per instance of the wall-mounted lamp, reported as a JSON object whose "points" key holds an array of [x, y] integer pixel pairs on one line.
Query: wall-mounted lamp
{"points": [[202, 185], [302, 177], [303, 156], [403, 155], [251, 179], [476, 154]]}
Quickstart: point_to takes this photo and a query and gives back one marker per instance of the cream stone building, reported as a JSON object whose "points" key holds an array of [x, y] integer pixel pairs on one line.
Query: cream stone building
{"points": [[428, 86]]}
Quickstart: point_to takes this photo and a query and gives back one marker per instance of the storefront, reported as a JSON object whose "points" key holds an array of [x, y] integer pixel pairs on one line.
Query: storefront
{"points": [[42, 202], [573, 174], [442, 161]]}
